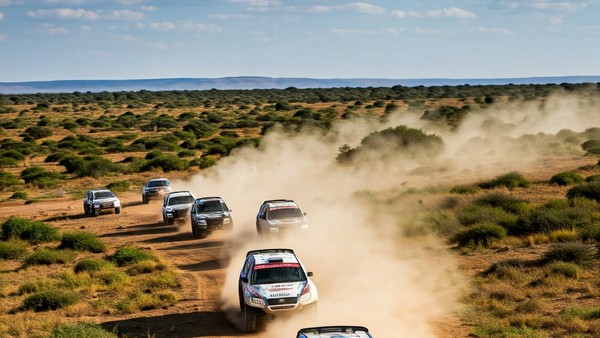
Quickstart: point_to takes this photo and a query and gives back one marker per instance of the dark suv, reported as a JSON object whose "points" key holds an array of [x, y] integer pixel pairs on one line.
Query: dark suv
{"points": [[210, 213], [156, 188]]}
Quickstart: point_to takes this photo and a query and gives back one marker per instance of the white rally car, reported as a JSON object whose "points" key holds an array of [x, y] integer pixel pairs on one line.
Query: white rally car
{"points": [[339, 331], [274, 281]]}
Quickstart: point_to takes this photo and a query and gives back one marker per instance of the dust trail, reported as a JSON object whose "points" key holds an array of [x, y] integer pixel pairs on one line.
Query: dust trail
{"points": [[366, 270]]}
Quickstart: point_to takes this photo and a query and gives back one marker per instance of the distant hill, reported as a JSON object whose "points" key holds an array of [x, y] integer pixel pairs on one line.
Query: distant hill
{"points": [[257, 82]]}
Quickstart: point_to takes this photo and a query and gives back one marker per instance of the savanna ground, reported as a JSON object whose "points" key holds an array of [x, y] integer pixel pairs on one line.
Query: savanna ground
{"points": [[509, 292]]}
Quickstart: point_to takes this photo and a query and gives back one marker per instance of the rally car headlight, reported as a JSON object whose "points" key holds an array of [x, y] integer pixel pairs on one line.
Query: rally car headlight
{"points": [[117, 203], [169, 209], [226, 220], [201, 221], [96, 205]]}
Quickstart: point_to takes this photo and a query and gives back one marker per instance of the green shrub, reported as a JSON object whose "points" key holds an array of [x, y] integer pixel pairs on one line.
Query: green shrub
{"points": [[127, 255], [47, 256], [19, 195], [91, 265], [593, 178], [566, 178], [479, 235], [31, 231], [11, 153], [204, 162], [147, 301], [463, 189], [551, 216], [474, 214], [13, 249], [571, 252], [589, 190], [590, 232], [8, 162], [186, 153], [166, 163], [52, 299], [37, 132], [8, 180], [505, 202], [82, 241], [567, 269], [119, 186], [585, 313], [41, 177], [81, 330], [511, 181]]}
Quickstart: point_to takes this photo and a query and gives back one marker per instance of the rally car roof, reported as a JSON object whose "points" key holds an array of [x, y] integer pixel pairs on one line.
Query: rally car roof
{"points": [[336, 331]]}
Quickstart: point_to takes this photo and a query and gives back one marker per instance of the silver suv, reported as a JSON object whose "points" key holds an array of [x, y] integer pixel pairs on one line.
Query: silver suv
{"points": [[210, 213], [275, 216], [97, 200], [176, 206], [156, 188], [340, 331]]}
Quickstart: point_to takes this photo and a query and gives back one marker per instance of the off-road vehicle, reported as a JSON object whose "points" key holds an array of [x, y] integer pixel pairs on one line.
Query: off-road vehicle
{"points": [[97, 200], [208, 214], [339, 331], [176, 206], [156, 188], [276, 216], [274, 281]]}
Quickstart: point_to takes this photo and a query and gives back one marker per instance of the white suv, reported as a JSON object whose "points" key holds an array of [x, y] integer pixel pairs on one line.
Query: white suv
{"points": [[97, 200], [176, 206], [274, 281], [340, 331], [156, 188], [275, 216]]}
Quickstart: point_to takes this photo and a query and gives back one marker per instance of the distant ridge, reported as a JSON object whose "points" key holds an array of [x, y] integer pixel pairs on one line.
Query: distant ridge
{"points": [[257, 82]]}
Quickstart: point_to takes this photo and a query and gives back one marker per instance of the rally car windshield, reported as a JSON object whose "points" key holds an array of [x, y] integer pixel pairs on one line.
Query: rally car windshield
{"points": [[103, 194], [154, 184], [284, 213], [211, 206], [278, 275], [181, 200]]}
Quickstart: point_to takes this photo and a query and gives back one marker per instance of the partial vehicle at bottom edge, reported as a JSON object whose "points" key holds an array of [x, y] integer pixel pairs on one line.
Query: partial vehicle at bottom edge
{"points": [[337, 331]]}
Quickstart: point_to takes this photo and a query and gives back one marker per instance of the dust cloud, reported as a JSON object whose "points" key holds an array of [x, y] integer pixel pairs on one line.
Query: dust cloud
{"points": [[367, 271]]}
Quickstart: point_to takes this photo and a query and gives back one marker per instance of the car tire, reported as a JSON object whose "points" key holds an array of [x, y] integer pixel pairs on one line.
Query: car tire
{"points": [[95, 212], [165, 220], [85, 210], [194, 229], [250, 315], [118, 210], [144, 199], [171, 221], [258, 229]]}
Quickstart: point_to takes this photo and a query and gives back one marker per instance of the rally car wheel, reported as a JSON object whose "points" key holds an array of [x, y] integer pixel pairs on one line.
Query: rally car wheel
{"points": [[250, 316]]}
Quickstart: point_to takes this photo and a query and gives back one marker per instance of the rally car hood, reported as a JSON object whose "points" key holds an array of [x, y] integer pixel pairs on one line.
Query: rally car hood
{"points": [[213, 214], [180, 206], [287, 221], [105, 200], [280, 290]]}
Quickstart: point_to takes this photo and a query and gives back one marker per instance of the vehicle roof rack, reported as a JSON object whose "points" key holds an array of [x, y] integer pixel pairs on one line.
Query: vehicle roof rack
{"points": [[278, 200], [262, 251], [334, 328], [208, 197]]}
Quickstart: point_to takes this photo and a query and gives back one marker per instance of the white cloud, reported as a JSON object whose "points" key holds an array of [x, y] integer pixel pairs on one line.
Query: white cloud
{"points": [[451, 12], [146, 8], [364, 7], [186, 25], [556, 6], [64, 13], [555, 21], [319, 9], [51, 29], [127, 15], [229, 16], [82, 14], [5, 3], [1, 16], [70, 2]]}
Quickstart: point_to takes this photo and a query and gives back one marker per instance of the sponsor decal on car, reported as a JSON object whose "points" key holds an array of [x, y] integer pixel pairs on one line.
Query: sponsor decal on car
{"points": [[276, 265]]}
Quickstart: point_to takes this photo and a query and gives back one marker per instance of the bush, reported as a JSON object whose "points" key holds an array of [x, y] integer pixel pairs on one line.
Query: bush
{"points": [[119, 186], [82, 241], [8, 180], [49, 300], [566, 178], [37, 132], [92, 265], [19, 195], [589, 190], [47, 256], [166, 163], [147, 301], [505, 202], [90, 166], [554, 215], [480, 234], [563, 235], [31, 231], [81, 330], [186, 153], [511, 180], [463, 189], [593, 178], [13, 249], [486, 214], [569, 270], [571, 252], [204, 162], [127, 255], [41, 177]]}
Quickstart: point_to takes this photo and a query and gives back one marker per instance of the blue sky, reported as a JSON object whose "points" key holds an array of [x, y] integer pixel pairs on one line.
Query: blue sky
{"points": [[141, 39]]}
